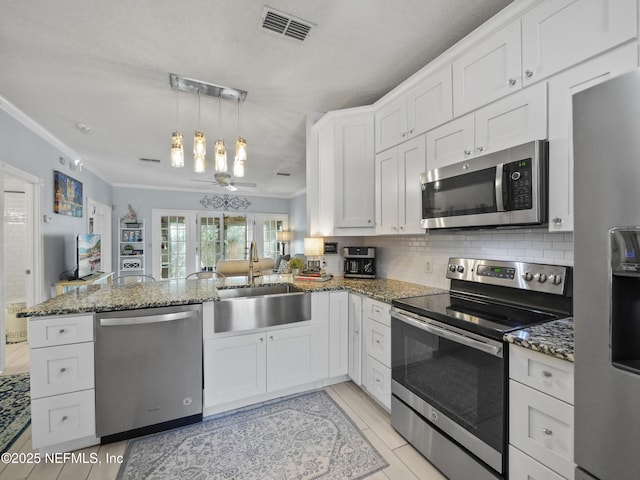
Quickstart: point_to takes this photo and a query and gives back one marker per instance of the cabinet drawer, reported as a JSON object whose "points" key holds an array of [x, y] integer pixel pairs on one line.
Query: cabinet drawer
{"points": [[542, 372], [542, 427], [523, 467], [63, 418], [377, 380], [378, 311], [63, 369], [377, 341], [50, 331]]}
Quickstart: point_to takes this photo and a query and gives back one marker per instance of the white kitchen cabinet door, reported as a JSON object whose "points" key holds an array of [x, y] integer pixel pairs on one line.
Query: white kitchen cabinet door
{"points": [[387, 192], [412, 161], [355, 338], [234, 368], [523, 467], [542, 427], [354, 171], [513, 120], [338, 334], [430, 103], [391, 124], [377, 381], [488, 71], [451, 143], [561, 33], [561, 90], [290, 358]]}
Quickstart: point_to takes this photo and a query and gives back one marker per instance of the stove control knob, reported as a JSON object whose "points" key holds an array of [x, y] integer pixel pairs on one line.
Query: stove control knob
{"points": [[460, 269], [527, 276], [540, 277], [452, 267], [555, 279]]}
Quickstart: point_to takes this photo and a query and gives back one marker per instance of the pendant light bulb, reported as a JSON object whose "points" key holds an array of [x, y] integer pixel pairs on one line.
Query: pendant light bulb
{"points": [[199, 152], [177, 150], [221, 156], [240, 158]]}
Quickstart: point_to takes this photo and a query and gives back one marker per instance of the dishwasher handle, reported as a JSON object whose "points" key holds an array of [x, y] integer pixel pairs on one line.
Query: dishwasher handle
{"points": [[142, 319]]}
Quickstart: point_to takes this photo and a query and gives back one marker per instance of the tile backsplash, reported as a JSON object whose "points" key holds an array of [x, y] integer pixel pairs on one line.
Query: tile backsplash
{"points": [[423, 259]]}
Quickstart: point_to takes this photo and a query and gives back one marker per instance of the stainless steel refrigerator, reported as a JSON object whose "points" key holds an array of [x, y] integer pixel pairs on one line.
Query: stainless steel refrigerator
{"points": [[606, 136]]}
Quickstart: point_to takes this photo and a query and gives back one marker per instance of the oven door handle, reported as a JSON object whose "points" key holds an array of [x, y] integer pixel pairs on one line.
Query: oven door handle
{"points": [[449, 335]]}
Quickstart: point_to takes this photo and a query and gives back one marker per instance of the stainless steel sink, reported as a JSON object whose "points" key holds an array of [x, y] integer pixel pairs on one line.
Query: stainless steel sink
{"points": [[248, 308]]}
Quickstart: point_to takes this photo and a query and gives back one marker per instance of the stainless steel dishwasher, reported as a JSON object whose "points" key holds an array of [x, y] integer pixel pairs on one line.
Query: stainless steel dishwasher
{"points": [[148, 369]]}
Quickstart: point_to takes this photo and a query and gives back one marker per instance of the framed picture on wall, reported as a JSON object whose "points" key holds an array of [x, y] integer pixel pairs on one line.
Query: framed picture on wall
{"points": [[67, 195]]}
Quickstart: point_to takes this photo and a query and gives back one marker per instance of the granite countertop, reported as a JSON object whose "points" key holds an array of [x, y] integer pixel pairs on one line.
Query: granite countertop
{"points": [[111, 297], [552, 338]]}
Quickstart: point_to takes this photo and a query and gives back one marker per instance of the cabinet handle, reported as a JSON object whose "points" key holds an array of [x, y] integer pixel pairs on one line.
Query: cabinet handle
{"points": [[404, 134], [557, 221], [465, 166], [547, 374], [512, 82], [378, 342], [64, 419], [261, 339], [481, 149], [271, 338], [62, 331], [547, 431], [529, 73], [63, 369], [411, 131], [467, 153], [357, 332]]}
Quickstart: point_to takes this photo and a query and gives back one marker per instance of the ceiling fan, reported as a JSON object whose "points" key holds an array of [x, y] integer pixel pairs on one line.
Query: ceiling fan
{"points": [[225, 180]]}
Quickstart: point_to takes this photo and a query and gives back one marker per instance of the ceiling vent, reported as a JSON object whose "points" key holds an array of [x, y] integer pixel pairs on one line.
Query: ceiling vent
{"points": [[149, 160], [285, 24]]}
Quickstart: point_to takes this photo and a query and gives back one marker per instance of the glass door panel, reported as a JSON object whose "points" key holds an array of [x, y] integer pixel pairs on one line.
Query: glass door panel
{"points": [[210, 242], [173, 230], [235, 237]]}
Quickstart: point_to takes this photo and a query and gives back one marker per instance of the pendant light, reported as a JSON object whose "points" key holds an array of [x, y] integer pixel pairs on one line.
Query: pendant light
{"points": [[199, 147], [241, 150], [220, 149], [177, 148]]}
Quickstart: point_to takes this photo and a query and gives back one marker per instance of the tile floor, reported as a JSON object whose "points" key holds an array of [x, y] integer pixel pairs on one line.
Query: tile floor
{"points": [[405, 463]]}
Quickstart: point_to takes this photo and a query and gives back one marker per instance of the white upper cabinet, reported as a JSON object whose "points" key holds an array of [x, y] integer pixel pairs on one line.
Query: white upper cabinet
{"points": [[425, 106], [513, 120], [344, 199], [562, 87], [508, 122], [354, 167], [488, 71], [560, 33], [398, 191], [451, 143]]}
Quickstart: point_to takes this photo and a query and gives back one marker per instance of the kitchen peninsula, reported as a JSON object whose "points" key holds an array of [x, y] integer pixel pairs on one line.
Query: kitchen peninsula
{"points": [[347, 337]]}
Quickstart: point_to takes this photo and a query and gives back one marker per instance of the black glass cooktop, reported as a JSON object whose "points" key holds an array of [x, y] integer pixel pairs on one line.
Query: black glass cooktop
{"points": [[473, 314]]}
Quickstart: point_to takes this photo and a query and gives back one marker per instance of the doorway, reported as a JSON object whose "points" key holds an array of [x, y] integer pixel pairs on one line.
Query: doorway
{"points": [[22, 274]]}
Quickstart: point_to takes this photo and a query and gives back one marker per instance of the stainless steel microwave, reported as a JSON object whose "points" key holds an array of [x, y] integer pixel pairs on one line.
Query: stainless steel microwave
{"points": [[504, 188]]}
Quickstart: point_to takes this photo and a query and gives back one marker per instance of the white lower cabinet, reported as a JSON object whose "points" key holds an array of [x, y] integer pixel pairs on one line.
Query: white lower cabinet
{"points": [[355, 338], [540, 416], [242, 366], [376, 363], [62, 383], [338, 334]]}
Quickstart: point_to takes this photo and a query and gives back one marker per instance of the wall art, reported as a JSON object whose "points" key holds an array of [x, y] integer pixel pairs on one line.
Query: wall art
{"points": [[67, 195], [225, 202]]}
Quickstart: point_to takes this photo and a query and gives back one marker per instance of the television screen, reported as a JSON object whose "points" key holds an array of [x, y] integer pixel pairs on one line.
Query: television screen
{"points": [[88, 254]]}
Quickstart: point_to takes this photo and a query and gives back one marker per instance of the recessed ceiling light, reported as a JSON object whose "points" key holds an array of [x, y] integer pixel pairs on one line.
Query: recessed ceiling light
{"points": [[83, 128]]}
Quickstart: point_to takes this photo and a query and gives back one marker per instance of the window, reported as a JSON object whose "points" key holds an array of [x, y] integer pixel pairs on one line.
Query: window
{"points": [[173, 250]]}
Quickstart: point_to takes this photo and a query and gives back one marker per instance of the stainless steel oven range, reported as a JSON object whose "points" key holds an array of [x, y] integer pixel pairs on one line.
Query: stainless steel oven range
{"points": [[450, 364]]}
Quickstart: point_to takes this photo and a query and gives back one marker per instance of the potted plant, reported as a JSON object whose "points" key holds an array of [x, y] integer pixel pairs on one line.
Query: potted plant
{"points": [[296, 265], [127, 249]]}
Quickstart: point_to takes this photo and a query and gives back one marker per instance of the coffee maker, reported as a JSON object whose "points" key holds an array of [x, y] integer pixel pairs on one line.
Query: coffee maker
{"points": [[359, 262]]}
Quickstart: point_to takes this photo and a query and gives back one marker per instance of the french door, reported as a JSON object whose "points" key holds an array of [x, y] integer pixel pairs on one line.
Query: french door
{"points": [[191, 241]]}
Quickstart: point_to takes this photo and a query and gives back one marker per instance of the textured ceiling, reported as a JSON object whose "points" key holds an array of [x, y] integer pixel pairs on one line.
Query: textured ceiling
{"points": [[106, 64]]}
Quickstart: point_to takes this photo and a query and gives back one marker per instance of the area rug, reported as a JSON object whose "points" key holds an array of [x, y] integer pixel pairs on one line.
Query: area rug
{"points": [[303, 437], [15, 408]]}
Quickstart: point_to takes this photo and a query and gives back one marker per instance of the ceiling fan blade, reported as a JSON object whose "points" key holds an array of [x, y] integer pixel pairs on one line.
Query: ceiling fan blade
{"points": [[245, 184], [231, 188]]}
